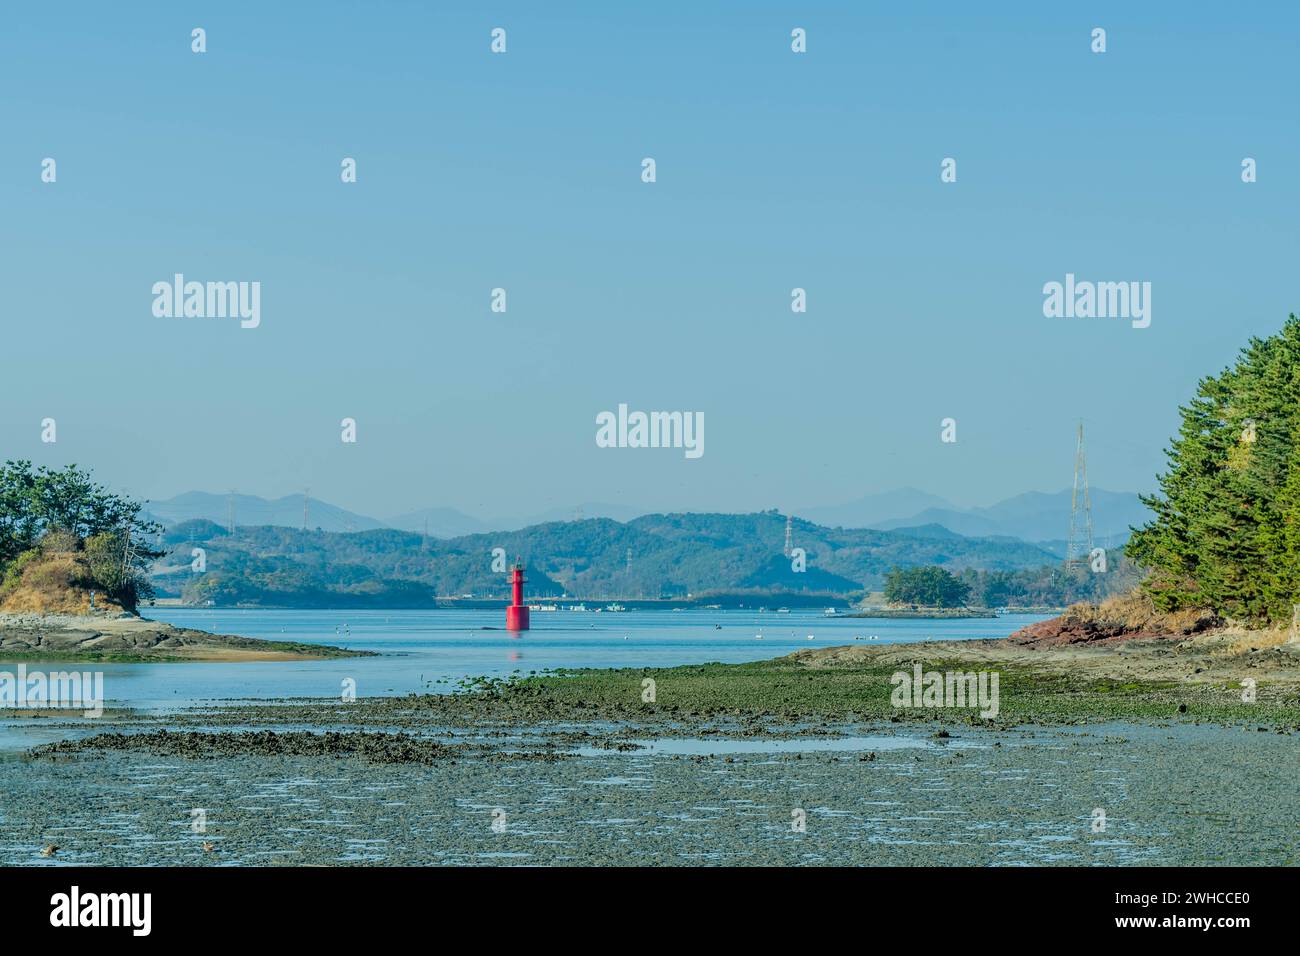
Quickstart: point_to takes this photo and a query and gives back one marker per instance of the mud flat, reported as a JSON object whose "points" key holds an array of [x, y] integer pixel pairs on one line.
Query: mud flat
{"points": [[1202, 678], [128, 638], [1180, 795], [799, 760]]}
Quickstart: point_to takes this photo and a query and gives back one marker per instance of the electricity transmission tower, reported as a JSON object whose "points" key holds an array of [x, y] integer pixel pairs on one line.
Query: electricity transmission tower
{"points": [[1078, 546], [789, 534]]}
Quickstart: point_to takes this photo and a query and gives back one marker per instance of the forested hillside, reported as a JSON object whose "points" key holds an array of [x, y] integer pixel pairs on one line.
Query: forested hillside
{"points": [[652, 556]]}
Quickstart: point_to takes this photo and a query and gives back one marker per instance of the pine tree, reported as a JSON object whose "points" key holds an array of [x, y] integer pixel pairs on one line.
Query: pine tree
{"points": [[1226, 534]]}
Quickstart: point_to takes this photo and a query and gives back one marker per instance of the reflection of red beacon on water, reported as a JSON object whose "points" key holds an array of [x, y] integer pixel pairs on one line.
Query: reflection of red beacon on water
{"points": [[517, 612]]}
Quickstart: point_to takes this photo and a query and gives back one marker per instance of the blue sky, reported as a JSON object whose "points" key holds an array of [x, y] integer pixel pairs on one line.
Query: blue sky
{"points": [[522, 171]]}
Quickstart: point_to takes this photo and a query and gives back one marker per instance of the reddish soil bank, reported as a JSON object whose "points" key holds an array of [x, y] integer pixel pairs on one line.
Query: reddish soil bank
{"points": [[1078, 626]]}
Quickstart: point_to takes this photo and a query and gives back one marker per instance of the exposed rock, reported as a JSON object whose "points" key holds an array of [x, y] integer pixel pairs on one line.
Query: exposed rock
{"points": [[121, 635]]}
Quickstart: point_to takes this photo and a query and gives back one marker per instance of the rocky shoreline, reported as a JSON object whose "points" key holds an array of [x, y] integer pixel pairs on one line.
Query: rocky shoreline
{"points": [[124, 637]]}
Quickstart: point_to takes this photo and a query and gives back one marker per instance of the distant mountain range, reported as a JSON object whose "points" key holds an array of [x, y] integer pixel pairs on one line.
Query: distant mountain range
{"points": [[655, 556], [1032, 516], [439, 523], [251, 510], [450, 523], [870, 510], [1035, 516]]}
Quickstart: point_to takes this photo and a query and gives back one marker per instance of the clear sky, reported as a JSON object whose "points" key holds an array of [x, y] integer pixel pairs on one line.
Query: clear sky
{"points": [[774, 170]]}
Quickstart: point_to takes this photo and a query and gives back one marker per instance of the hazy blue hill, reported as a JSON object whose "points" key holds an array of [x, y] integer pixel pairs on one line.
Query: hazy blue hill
{"points": [[963, 523], [440, 522], [450, 523], [1034, 516], [928, 531], [670, 555], [588, 509], [252, 510], [1037, 516], [869, 510]]}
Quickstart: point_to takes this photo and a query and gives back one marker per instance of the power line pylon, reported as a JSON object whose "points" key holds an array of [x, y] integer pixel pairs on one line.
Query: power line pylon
{"points": [[789, 534], [1078, 546]]}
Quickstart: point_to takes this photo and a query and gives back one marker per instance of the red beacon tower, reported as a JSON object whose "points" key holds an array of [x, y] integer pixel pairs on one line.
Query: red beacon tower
{"points": [[517, 612]]}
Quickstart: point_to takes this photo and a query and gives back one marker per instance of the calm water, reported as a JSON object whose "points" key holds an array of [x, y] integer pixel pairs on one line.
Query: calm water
{"points": [[421, 647]]}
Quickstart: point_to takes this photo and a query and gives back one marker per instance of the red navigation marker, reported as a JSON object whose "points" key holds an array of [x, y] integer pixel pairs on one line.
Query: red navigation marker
{"points": [[517, 612]]}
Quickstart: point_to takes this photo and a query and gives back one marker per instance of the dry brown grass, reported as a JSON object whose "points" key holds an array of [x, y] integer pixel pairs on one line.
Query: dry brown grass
{"points": [[54, 584], [1134, 613]]}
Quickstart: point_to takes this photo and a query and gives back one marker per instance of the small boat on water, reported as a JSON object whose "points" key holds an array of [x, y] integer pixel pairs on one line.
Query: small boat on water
{"points": [[615, 607]]}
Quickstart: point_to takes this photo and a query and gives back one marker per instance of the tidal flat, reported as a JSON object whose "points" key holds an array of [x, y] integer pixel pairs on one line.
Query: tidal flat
{"points": [[1115, 795], [1145, 757]]}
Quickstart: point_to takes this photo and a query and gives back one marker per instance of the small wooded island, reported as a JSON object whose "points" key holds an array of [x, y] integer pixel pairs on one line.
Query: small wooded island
{"points": [[928, 592], [73, 568]]}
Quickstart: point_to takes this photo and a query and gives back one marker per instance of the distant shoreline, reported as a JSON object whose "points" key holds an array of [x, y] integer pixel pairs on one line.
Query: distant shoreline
{"points": [[933, 613], [712, 603], [842, 608]]}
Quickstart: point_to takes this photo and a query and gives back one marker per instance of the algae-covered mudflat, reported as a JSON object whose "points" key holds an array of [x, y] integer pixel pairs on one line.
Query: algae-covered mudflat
{"points": [[1116, 794], [1144, 756], [1182, 680]]}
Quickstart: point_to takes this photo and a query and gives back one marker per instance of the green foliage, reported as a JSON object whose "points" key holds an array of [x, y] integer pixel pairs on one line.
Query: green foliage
{"points": [[237, 576], [109, 572], [66, 510], [930, 586], [1052, 585], [1226, 535], [20, 526], [13, 571]]}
